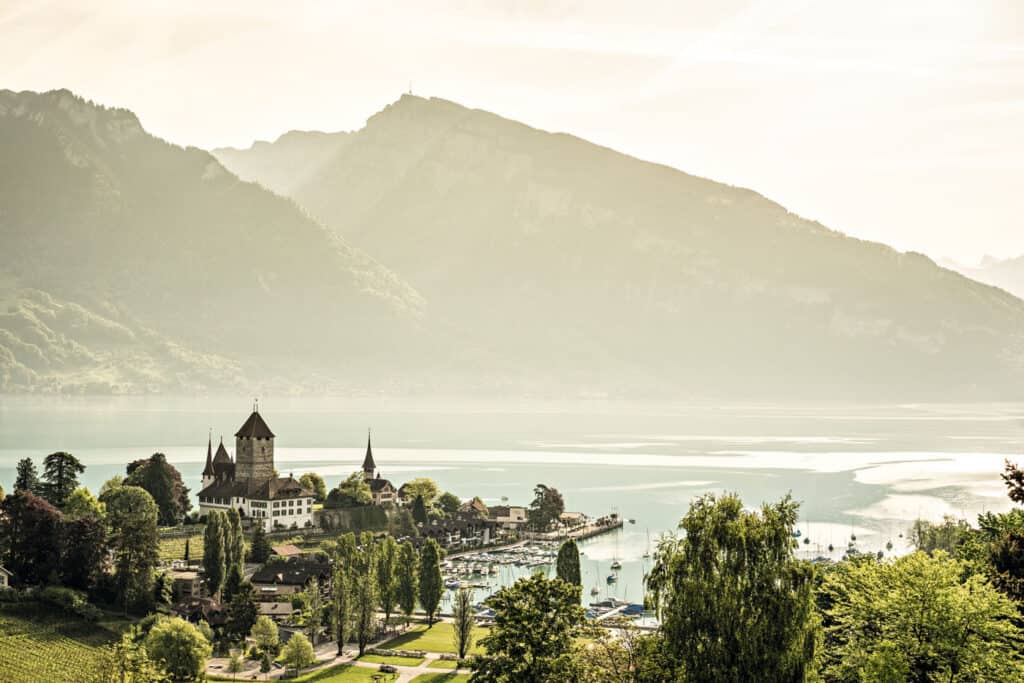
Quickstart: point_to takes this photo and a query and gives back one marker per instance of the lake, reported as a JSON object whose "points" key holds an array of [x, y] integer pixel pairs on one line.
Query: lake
{"points": [[862, 470]]}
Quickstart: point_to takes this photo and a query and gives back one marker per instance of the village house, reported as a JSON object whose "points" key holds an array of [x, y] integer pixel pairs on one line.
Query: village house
{"points": [[287, 577], [249, 482], [187, 583], [5, 577]]}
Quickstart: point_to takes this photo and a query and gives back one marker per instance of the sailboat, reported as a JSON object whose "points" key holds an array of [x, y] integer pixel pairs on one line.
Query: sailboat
{"points": [[595, 591], [616, 565], [647, 552]]}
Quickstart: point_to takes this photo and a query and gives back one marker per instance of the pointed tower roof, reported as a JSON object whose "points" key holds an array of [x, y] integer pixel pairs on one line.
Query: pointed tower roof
{"points": [[255, 428], [222, 453], [368, 464], [208, 470]]}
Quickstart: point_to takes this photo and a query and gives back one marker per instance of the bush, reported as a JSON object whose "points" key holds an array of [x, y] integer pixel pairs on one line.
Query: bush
{"points": [[71, 601]]}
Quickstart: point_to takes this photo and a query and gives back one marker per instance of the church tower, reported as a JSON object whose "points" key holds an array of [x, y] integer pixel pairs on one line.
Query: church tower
{"points": [[208, 471], [254, 450], [368, 465]]}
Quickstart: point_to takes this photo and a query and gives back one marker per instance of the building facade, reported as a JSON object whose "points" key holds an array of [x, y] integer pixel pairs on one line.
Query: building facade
{"points": [[383, 491], [249, 482]]}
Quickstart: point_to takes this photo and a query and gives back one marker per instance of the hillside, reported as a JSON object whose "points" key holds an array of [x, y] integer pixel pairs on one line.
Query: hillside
{"points": [[1006, 274], [288, 162], [585, 268], [175, 273]]}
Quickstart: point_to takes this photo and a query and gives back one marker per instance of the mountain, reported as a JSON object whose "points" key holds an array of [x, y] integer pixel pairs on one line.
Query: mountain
{"points": [[1006, 274], [131, 264], [286, 163], [584, 268]]}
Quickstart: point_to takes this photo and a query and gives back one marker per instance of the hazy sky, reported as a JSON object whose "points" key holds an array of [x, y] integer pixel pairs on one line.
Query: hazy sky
{"points": [[895, 121]]}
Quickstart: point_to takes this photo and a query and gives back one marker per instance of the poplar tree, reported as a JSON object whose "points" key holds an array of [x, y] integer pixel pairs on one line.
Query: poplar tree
{"points": [[431, 587], [463, 622], [387, 558], [341, 606], [214, 569], [407, 584]]}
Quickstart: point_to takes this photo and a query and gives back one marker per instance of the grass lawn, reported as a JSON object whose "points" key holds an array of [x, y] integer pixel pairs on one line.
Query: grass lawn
{"points": [[36, 645], [438, 638], [343, 673], [443, 664], [441, 677], [385, 659]]}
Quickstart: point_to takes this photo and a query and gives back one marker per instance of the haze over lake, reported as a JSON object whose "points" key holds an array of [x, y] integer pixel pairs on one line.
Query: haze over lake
{"points": [[869, 471]]}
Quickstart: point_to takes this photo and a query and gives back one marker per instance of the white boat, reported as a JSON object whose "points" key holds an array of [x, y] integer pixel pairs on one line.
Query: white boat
{"points": [[616, 564]]}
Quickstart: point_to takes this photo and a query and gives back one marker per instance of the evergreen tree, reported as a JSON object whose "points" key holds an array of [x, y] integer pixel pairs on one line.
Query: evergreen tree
{"points": [[233, 581], [387, 585], [419, 510], [407, 572], [187, 550], [260, 550], [27, 478], [568, 564], [214, 569], [242, 613], [431, 586], [163, 589], [341, 606], [60, 475]]}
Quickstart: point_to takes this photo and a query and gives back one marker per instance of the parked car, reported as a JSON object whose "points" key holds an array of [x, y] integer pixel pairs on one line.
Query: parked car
{"points": [[389, 668]]}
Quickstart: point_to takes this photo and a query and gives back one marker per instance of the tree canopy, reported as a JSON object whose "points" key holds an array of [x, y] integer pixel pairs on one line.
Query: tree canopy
{"points": [[179, 648], [568, 563], [431, 586], [162, 481], [315, 483], [60, 476], [546, 508], [353, 491]]}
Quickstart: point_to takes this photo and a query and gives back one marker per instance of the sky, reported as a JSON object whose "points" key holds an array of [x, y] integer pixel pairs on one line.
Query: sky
{"points": [[900, 122]]}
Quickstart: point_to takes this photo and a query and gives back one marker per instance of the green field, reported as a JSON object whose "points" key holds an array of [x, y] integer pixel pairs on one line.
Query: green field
{"points": [[443, 664], [435, 639], [441, 677], [386, 659], [342, 673], [36, 645]]}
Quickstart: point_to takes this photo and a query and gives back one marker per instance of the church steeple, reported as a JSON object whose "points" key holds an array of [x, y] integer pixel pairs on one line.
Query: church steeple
{"points": [[208, 470], [368, 465]]}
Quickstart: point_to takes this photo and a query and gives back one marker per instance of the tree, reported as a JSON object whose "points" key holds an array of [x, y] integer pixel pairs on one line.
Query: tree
{"points": [[431, 587], [946, 536], [259, 550], [364, 603], [234, 664], [234, 540], [264, 633], [449, 503], [1006, 559], [401, 524], [132, 516], [82, 503], [179, 648], [736, 604], [628, 657], [568, 564], [162, 481], [919, 614], [83, 551], [546, 508], [298, 653], [1013, 477], [315, 483], [265, 662], [27, 478], [30, 531], [242, 613], [463, 622], [419, 510], [351, 492], [315, 610], [407, 571], [341, 607], [424, 487], [60, 475], [535, 622], [233, 582], [111, 484], [214, 569], [387, 585], [187, 549], [126, 662]]}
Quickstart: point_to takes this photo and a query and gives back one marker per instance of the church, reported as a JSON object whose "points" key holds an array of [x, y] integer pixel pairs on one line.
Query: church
{"points": [[249, 482]]}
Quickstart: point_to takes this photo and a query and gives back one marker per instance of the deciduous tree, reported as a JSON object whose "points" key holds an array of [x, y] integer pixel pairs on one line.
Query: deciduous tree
{"points": [[298, 652], [351, 492], [463, 622], [82, 503], [214, 569], [387, 584], [264, 633], [83, 551], [546, 508], [431, 586], [341, 606], [535, 622], [448, 503], [736, 604], [407, 579], [259, 548], [179, 648], [315, 483], [132, 516], [162, 481], [30, 531]]}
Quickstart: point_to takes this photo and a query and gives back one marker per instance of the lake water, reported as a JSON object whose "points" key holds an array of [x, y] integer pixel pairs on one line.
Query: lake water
{"points": [[866, 470]]}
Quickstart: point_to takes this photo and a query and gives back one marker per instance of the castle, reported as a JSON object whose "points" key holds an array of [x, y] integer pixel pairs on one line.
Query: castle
{"points": [[250, 484]]}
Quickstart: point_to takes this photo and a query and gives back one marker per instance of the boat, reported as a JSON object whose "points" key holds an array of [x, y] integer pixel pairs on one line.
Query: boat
{"points": [[616, 564], [831, 547], [595, 590], [611, 578], [807, 541], [632, 521], [451, 584], [888, 545]]}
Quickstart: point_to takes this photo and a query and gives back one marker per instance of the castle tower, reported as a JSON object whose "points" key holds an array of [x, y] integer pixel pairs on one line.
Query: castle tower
{"points": [[368, 465], [254, 450]]}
